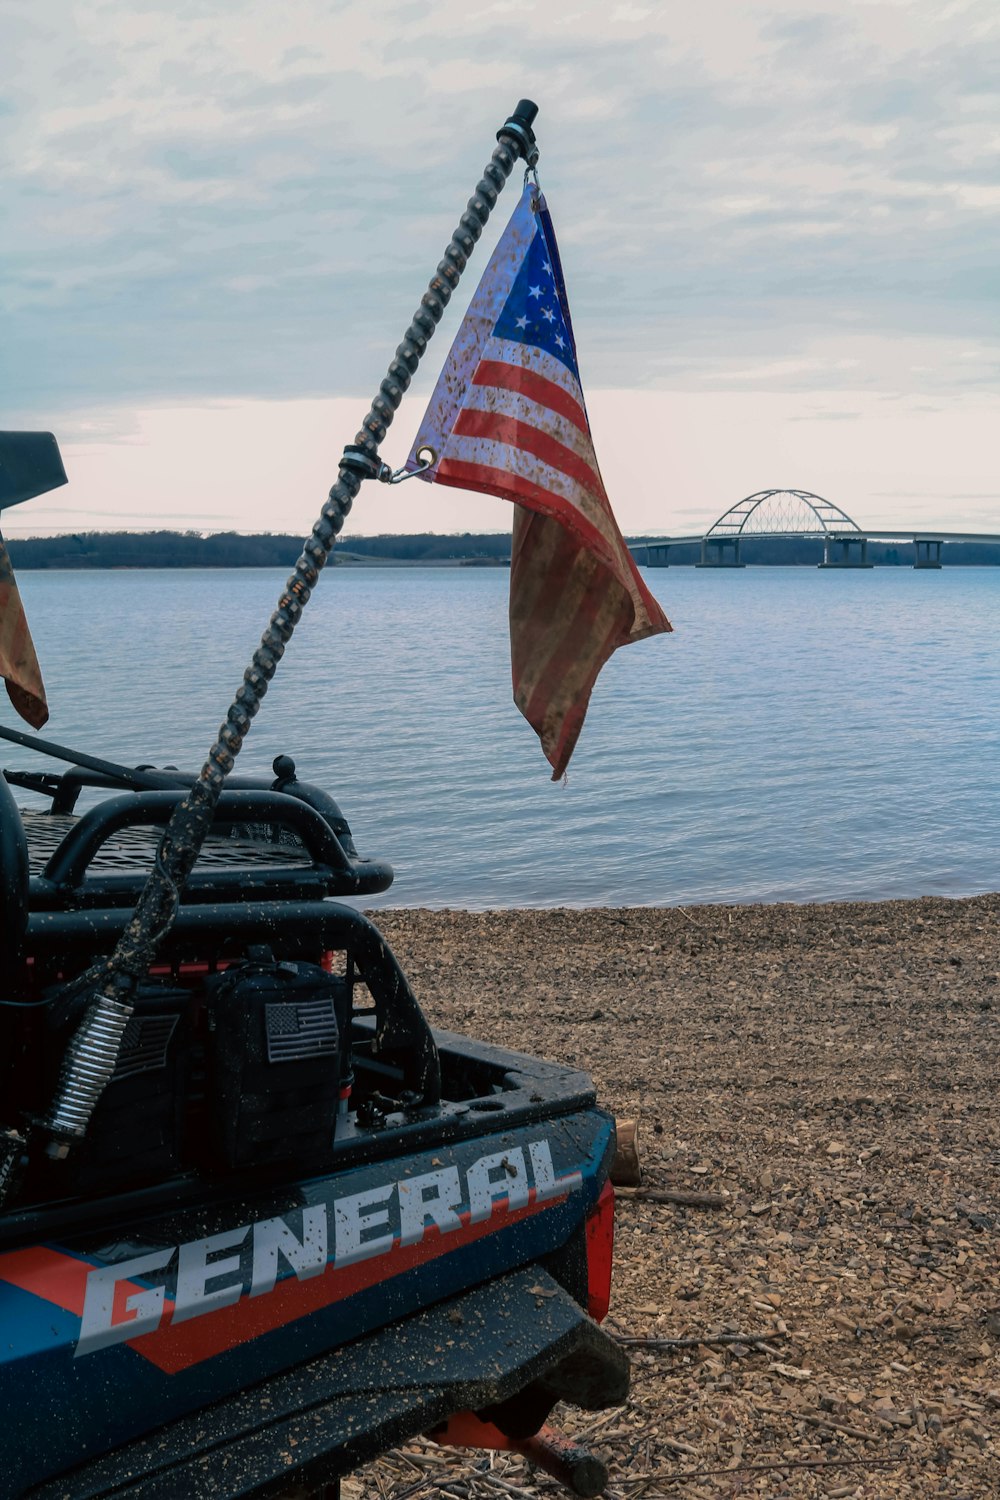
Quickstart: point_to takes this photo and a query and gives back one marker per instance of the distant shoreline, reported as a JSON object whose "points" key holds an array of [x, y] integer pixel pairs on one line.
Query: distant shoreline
{"points": [[336, 561], [111, 551]]}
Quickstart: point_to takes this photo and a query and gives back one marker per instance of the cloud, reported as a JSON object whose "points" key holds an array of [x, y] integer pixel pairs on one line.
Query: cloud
{"points": [[242, 200]]}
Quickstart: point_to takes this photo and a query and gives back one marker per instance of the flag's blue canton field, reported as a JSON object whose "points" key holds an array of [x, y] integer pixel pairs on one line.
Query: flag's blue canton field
{"points": [[533, 313]]}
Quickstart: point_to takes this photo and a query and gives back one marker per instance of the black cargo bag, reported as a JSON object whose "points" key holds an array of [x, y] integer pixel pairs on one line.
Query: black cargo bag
{"points": [[273, 1063], [137, 1128]]}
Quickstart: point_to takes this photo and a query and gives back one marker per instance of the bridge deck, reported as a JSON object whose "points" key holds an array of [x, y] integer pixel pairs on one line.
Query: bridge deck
{"points": [[873, 534]]}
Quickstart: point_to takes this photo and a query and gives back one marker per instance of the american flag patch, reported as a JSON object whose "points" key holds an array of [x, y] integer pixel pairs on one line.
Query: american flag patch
{"points": [[144, 1045], [298, 1029]]}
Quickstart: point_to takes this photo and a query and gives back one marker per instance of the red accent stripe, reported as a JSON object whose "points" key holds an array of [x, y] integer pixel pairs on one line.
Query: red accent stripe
{"points": [[516, 434], [49, 1274], [62, 1280], [536, 387]]}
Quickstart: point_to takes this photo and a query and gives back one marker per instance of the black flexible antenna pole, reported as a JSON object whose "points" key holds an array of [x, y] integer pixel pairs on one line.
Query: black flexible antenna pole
{"points": [[141, 781], [92, 1054]]}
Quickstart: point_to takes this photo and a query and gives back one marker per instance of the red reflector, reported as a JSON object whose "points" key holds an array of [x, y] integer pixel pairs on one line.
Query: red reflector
{"points": [[600, 1251]]}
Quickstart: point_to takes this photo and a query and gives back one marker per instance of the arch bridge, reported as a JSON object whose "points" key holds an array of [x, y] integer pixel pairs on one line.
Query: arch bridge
{"points": [[799, 513]]}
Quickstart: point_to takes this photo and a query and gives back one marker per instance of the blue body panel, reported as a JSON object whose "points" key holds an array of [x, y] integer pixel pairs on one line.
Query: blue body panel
{"points": [[100, 1342]]}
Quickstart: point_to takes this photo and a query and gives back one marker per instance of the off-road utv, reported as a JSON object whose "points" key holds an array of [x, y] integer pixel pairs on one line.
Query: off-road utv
{"points": [[301, 1226], [259, 1222]]}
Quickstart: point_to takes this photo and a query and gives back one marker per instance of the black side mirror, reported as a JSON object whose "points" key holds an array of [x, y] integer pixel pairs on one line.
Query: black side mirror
{"points": [[30, 465]]}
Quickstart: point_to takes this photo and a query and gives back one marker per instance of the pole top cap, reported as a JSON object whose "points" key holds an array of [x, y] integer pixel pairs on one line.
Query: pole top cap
{"points": [[517, 129]]}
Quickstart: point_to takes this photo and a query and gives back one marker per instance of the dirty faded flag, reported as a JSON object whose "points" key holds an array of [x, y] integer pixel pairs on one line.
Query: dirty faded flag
{"points": [[18, 662], [508, 418]]}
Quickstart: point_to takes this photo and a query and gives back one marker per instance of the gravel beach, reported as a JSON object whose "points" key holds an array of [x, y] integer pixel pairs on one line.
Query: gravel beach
{"points": [[831, 1072]]}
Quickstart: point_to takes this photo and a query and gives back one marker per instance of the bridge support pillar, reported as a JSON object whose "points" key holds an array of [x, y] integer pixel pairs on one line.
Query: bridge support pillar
{"points": [[713, 552], [837, 552], [657, 554], [925, 557]]}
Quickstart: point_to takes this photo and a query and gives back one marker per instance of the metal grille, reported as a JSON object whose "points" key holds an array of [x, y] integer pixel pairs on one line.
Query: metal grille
{"points": [[131, 850]]}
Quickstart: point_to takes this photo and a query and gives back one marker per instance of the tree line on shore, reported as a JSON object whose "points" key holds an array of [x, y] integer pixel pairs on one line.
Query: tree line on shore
{"points": [[230, 549]]}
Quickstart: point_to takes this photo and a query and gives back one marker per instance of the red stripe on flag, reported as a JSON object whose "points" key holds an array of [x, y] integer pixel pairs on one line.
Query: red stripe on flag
{"points": [[536, 387], [530, 439], [489, 481], [486, 480]]}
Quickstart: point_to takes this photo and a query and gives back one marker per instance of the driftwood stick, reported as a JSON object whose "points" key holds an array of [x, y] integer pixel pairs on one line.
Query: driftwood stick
{"points": [[586, 1434], [413, 1489], [708, 1339], [681, 1476], [671, 1195], [676, 1446], [829, 1423], [485, 1477]]}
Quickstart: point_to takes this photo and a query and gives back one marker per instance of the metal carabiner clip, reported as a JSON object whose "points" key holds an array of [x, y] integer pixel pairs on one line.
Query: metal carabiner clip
{"points": [[397, 476]]}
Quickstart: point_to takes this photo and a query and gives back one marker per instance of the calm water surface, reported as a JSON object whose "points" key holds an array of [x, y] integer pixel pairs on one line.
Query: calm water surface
{"points": [[802, 736]]}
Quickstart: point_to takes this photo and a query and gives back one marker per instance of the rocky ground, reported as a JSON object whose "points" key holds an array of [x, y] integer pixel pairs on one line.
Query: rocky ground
{"points": [[832, 1070]]}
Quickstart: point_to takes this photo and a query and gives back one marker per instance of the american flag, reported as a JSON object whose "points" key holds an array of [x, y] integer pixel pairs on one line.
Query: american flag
{"points": [[145, 1044], [18, 662], [508, 418], [300, 1028]]}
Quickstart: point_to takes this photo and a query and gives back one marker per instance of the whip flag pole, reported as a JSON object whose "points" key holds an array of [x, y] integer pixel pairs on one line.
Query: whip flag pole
{"points": [[92, 1054]]}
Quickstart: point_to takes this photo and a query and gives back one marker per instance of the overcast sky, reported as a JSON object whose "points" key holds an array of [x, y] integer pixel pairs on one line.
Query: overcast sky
{"points": [[779, 226]]}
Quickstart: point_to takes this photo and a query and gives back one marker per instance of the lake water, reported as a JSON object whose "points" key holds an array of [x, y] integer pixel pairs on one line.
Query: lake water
{"points": [[802, 736]]}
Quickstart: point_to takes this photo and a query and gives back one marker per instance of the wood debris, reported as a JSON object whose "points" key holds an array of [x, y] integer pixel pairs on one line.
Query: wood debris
{"points": [[829, 1074], [626, 1169]]}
